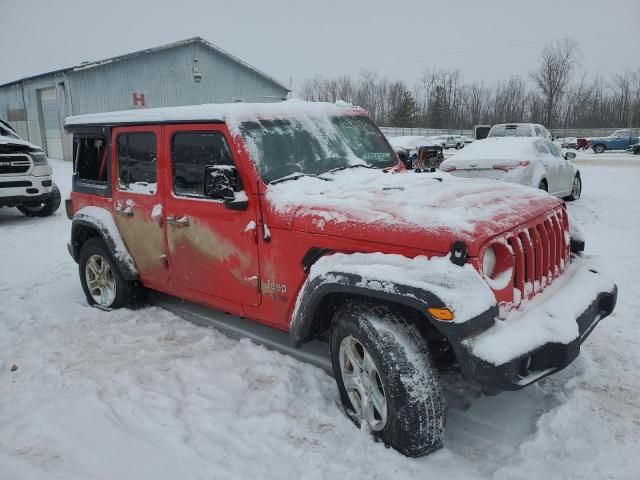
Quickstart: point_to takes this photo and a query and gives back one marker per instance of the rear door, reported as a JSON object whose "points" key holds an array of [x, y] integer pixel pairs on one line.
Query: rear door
{"points": [[137, 197], [213, 250]]}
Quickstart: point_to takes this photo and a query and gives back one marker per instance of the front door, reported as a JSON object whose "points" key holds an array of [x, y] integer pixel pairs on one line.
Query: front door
{"points": [[213, 250], [137, 197]]}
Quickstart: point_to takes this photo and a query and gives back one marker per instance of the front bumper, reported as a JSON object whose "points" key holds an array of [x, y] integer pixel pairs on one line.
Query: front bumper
{"points": [[541, 339], [16, 190]]}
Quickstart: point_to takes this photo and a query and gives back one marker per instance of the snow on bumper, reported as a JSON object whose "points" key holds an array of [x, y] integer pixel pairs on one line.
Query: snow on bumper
{"points": [[545, 336]]}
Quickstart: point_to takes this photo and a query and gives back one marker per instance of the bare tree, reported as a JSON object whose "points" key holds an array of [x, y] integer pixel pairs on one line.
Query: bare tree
{"points": [[558, 61]]}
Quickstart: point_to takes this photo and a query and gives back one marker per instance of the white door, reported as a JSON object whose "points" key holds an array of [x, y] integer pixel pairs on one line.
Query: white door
{"points": [[51, 123]]}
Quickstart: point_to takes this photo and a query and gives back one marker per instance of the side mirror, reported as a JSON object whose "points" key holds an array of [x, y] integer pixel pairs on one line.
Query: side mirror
{"points": [[569, 155], [219, 181]]}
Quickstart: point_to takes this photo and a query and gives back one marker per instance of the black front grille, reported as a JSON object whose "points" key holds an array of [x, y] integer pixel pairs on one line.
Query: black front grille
{"points": [[15, 184], [12, 164]]}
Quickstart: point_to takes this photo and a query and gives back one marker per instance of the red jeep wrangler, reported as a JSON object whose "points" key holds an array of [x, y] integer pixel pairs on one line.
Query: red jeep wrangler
{"points": [[298, 221]]}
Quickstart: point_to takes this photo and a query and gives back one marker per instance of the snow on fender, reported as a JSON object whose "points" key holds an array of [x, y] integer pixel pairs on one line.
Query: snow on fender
{"points": [[461, 289], [102, 219]]}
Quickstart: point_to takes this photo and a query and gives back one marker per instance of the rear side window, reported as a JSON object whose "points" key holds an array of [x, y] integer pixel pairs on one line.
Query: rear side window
{"points": [[191, 153], [90, 160], [137, 162]]}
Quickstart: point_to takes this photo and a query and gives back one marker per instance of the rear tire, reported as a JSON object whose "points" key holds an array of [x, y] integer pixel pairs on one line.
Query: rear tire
{"points": [[101, 279], [404, 380], [46, 208], [599, 148]]}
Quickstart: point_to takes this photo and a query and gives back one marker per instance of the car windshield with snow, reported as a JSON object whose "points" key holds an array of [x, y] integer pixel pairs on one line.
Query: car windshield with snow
{"points": [[380, 276], [283, 148]]}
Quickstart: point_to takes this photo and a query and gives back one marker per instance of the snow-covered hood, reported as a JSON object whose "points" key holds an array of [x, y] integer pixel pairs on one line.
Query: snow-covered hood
{"points": [[4, 140], [424, 211]]}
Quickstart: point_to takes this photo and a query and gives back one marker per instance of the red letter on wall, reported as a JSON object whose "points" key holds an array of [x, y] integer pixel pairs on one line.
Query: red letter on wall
{"points": [[138, 100]]}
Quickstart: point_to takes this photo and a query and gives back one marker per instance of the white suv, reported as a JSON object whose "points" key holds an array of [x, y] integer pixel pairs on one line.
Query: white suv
{"points": [[519, 130], [25, 176]]}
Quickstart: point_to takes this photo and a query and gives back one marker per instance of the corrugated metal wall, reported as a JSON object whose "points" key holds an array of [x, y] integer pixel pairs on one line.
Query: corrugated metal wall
{"points": [[165, 77]]}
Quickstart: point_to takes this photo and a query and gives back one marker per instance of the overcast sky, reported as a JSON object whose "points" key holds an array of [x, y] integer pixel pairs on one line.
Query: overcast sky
{"points": [[486, 40]]}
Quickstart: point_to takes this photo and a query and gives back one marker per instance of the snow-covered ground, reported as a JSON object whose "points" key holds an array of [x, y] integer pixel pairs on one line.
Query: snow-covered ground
{"points": [[145, 395]]}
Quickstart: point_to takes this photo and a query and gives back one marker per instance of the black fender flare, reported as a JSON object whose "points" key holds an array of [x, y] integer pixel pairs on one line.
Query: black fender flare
{"points": [[313, 292], [111, 238]]}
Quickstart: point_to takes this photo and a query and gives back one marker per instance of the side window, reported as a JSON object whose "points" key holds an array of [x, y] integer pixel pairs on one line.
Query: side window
{"points": [[555, 151], [538, 131], [90, 159], [541, 148], [191, 153], [137, 162]]}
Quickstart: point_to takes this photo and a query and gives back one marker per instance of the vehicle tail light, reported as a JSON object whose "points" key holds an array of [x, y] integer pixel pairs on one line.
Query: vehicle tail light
{"points": [[510, 166], [447, 168]]}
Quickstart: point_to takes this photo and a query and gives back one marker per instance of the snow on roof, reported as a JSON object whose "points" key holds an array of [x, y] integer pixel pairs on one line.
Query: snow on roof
{"points": [[497, 148], [231, 113]]}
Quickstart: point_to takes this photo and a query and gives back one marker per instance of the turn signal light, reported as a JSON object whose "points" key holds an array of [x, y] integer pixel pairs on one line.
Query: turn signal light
{"points": [[439, 313]]}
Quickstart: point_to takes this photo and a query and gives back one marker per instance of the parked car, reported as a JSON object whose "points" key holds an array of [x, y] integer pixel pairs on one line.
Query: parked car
{"points": [[618, 140], [449, 141], [25, 176], [530, 161], [305, 228], [519, 130]]}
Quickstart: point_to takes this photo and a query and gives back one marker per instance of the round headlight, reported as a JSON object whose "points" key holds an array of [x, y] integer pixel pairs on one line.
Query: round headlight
{"points": [[489, 262]]}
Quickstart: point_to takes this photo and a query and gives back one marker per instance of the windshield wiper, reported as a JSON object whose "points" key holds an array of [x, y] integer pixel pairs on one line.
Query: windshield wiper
{"points": [[296, 176], [344, 167]]}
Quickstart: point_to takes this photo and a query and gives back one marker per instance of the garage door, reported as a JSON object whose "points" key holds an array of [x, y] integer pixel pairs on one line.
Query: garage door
{"points": [[50, 122]]}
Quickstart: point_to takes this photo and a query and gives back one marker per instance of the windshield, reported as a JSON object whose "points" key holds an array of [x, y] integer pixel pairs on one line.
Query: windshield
{"points": [[313, 146]]}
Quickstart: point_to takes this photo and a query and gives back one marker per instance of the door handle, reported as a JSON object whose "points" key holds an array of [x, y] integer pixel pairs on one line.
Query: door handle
{"points": [[124, 211], [178, 222]]}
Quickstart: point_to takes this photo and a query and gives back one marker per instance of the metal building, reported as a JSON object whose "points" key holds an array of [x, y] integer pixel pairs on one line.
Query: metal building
{"points": [[188, 72]]}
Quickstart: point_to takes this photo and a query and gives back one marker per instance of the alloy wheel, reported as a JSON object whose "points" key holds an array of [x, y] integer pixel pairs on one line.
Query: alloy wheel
{"points": [[363, 384], [100, 280]]}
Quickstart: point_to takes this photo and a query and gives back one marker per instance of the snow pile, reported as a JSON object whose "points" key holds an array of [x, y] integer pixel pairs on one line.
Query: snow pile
{"points": [[549, 317], [379, 271]]}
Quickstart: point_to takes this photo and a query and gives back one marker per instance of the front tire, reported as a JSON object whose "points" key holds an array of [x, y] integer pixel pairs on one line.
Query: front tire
{"points": [[385, 377], [576, 189], [46, 208], [599, 148], [102, 282], [543, 185]]}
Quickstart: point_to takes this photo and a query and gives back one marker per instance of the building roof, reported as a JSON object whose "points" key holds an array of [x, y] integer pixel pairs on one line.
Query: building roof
{"points": [[200, 40]]}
